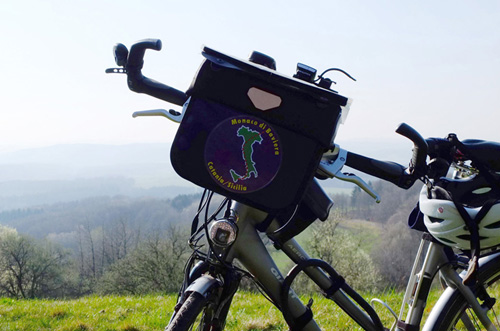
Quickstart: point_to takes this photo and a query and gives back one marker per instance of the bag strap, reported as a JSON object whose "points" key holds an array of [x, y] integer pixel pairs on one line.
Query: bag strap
{"points": [[473, 227]]}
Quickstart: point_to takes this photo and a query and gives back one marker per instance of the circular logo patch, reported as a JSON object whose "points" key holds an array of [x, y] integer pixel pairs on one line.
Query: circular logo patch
{"points": [[243, 154]]}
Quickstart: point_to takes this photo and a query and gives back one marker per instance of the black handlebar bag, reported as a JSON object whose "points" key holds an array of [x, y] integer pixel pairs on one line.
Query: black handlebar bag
{"points": [[252, 134]]}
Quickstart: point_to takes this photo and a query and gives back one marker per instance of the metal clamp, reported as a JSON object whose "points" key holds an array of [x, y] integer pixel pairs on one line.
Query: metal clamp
{"points": [[332, 162]]}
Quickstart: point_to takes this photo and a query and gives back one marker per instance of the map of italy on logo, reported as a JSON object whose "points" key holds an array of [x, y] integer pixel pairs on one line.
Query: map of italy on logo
{"points": [[250, 137]]}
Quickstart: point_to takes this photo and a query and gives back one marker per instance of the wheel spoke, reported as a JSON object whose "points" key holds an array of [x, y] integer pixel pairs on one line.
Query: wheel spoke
{"points": [[470, 322], [455, 313], [467, 322], [496, 317]]}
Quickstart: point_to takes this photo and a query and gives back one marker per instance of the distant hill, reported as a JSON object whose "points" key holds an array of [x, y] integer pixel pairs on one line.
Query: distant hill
{"points": [[23, 194], [62, 162], [51, 191], [60, 221], [62, 173]]}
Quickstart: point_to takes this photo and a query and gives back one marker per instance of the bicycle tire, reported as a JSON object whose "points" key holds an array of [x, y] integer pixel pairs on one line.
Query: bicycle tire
{"points": [[451, 312], [186, 318]]}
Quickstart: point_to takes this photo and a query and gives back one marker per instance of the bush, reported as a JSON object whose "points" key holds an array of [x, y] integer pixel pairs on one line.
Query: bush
{"points": [[157, 265], [31, 268], [396, 250], [344, 252]]}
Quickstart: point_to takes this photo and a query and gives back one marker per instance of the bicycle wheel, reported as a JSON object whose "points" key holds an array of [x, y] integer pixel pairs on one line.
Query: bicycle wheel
{"points": [[194, 314], [455, 313]]}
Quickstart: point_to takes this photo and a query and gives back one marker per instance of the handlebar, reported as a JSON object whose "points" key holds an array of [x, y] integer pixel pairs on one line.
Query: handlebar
{"points": [[133, 62], [442, 153], [395, 173], [137, 51], [389, 171]]}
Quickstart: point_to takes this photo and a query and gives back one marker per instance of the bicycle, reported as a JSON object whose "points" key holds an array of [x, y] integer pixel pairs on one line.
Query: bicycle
{"points": [[466, 168]]}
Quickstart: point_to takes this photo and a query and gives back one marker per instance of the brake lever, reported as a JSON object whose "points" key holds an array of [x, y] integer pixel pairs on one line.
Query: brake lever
{"points": [[171, 114], [331, 166], [360, 182]]}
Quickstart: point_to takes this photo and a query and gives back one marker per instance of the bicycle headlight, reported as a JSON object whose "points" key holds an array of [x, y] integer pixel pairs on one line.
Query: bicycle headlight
{"points": [[223, 232]]}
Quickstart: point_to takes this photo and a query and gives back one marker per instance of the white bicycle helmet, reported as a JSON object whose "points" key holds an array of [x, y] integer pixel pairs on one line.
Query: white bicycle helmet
{"points": [[443, 220]]}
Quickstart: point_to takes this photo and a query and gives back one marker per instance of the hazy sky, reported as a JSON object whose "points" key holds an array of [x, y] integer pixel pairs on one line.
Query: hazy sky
{"points": [[432, 64]]}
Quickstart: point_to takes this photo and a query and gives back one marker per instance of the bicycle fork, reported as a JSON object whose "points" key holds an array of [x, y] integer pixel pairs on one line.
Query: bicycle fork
{"points": [[419, 284]]}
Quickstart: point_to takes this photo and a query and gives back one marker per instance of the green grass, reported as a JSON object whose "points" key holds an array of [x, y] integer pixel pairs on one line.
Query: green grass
{"points": [[366, 232], [89, 313], [115, 313]]}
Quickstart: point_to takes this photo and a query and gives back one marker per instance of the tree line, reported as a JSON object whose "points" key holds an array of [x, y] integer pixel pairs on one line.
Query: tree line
{"points": [[56, 220], [103, 264], [134, 246], [108, 245]]}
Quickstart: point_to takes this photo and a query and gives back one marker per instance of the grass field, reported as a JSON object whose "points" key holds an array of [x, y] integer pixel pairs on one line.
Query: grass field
{"points": [[248, 312]]}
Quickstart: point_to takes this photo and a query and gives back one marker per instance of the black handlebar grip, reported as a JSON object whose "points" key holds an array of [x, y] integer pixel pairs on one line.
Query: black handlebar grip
{"points": [[389, 171], [417, 164], [141, 84], [137, 50]]}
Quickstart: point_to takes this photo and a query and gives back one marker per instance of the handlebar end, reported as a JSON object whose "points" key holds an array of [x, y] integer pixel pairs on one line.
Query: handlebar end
{"points": [[121, 54], [417, 164], [149, 43], [155, 44]]}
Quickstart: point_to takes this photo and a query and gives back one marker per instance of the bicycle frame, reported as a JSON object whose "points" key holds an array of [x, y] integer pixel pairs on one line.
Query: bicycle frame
{"points": [[251, 252]]}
